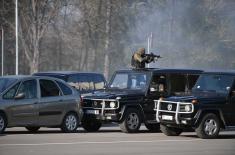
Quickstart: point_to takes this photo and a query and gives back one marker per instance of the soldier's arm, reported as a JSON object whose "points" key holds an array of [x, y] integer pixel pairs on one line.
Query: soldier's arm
{"points": [[138, 58]]}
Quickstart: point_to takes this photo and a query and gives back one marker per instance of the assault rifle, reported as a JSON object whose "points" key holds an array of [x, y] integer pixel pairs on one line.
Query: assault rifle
{"points": [[152, 57]]}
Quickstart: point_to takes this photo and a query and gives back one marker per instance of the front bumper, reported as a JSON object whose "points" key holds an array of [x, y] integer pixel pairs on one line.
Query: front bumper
{"points": [[102, 111], [174, 116]]}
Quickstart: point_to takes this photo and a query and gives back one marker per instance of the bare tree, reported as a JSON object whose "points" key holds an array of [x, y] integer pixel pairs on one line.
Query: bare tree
{"points": [[35, 15], [107, 39]]}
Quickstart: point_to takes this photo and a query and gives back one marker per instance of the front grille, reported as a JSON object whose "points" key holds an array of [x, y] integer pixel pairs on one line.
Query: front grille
{"points": [[100, 103], [168, 106]]}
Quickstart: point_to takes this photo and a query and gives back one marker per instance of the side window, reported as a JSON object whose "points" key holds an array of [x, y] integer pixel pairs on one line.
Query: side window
{"points": [[81, 82], [10, 94], [29, 88], [159, 83], [98, 82], [49, 88], [85, 82], [178, 83], [65, 89]]}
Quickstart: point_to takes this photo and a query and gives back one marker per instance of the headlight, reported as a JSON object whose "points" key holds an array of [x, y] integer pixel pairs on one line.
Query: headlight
{"points": [[112, 104], [188, 108]]}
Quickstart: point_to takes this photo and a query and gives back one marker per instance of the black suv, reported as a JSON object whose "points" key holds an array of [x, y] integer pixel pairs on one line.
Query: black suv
{"points": [[210, 107], [129, 97], [84, 82]]}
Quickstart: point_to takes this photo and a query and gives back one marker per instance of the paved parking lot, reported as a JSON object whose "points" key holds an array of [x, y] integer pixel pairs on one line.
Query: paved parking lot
{"points": [[111, 141]]}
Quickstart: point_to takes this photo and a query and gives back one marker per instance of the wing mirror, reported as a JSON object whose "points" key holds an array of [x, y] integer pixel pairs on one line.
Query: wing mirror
{"points": [[20, 96]]}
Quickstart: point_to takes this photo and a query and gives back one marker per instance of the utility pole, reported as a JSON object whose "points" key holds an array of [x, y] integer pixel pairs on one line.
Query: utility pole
{"points": [[2, 30], [17, 52], [149, 44]]}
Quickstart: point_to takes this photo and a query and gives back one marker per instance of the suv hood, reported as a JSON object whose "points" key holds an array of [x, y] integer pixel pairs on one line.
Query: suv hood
{"points": [[203, 98], [113, 94]]}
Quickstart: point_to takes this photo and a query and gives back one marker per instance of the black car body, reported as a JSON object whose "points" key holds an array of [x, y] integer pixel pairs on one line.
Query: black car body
{"points": [[85, 82], [211, 106], [129, 97]]}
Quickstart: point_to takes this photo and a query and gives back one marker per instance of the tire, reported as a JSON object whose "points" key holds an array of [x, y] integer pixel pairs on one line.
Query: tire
{"points": [[70, 123], [3, 123], [32, 128], [169, 131], [131, 122], [91, 125], [209, 127], [153, 127]]}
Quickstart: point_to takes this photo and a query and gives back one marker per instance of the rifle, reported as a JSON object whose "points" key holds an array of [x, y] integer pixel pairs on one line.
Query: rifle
{"points": [[152, 57]]}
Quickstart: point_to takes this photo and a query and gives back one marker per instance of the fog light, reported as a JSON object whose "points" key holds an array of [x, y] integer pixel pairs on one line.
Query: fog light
{"points": [[184, 122], [112, 104], [187, 108]]}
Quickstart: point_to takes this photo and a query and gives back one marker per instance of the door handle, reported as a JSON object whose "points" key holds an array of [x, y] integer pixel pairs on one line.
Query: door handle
{"points": [[35, 103]]}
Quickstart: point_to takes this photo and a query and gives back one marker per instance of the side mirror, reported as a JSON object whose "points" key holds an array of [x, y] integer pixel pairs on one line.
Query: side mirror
{"points": [[20, 96]]}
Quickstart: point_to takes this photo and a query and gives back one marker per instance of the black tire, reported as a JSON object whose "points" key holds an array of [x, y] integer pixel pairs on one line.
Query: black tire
{"points": [[131, 121], [32, 128], [209, 127], [91, 125], [3, 123], [70, 123], [153, 127], [169, 131]]}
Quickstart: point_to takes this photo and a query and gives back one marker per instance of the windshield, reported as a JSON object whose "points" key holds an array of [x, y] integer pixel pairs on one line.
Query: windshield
{"points": [[130, 81], [214, 83], [5, 83]]}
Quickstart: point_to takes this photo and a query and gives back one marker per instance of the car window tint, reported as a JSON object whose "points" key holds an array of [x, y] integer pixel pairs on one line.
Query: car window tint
{"points": [[178, 83], [10, 94], [98, 82], [29, 89], [192, 80], [65, 89], [49, 88]]}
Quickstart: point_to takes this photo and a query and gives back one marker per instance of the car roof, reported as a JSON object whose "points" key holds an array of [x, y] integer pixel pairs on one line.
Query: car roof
{"points": [[220, 72], [64, 73], [163, 70], [25, 77]]}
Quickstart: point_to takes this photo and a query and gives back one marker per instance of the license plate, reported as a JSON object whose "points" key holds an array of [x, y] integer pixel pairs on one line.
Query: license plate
{"points": [[166, 117], [96, 112]]}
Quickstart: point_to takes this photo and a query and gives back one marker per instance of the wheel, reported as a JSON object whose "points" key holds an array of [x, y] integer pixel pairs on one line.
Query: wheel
{"points": [[209, 127], [169, 131], [3, 123], [70, 123], [153, 127], [131, 122], [91, 125], [32, 128]]}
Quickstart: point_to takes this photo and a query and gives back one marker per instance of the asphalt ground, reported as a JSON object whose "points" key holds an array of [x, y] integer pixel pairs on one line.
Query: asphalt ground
{"points": [[111, 141]]}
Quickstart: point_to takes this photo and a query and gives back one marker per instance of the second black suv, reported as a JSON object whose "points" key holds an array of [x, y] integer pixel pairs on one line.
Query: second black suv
{"points": [[210, 107], [84, 82], [129, 97]]}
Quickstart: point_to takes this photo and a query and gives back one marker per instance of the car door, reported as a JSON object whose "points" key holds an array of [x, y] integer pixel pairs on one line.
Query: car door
{"points": [[229, 109], [51, 105], [158, 88], [23, 108]]}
